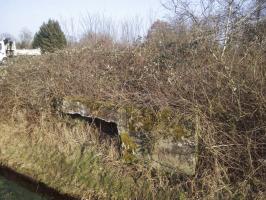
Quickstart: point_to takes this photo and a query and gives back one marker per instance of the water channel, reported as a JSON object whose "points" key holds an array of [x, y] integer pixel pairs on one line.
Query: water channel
{"points": [[12, 191], [16, 186]]}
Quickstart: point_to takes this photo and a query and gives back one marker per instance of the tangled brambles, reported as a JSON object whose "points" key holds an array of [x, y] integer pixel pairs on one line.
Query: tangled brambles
{"points": [[222, 101]]}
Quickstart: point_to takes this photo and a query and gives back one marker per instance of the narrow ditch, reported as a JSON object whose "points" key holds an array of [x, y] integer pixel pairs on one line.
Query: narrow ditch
{"points": [[34, 186]]}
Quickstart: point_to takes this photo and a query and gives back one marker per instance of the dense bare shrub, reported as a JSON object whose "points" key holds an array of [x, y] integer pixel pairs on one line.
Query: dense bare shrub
{"points": [[215, 84]]}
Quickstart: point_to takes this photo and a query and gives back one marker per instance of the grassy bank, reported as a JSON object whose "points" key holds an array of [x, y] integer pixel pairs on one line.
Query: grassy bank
{"points": [[71, 161]]}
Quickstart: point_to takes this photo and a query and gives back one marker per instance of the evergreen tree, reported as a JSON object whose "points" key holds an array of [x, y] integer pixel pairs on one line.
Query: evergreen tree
{"points": [[50, 37]]}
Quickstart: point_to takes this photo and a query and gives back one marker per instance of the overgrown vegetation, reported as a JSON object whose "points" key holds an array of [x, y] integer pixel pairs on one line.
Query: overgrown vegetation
{"points": [[217, 88]]}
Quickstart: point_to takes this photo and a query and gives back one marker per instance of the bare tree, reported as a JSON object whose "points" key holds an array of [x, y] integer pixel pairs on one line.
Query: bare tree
{"points": [[71, 29], [6, 35], [226, 17], [260, 8], [182, 9], [25, 39], [96, 27]]}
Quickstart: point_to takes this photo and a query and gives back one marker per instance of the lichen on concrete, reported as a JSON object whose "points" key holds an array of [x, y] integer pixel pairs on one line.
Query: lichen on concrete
{"points": [[159, 135]]}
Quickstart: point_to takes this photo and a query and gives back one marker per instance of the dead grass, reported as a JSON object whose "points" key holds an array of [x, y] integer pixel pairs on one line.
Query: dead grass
{"points": [[224, 98], [68, 156]]}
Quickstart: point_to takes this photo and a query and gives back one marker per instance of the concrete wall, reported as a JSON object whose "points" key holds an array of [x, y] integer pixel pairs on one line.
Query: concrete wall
{"points": [[32, 52]]}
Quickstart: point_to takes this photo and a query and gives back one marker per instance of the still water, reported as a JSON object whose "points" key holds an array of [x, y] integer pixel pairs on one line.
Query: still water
{"points": [[12, 191]]}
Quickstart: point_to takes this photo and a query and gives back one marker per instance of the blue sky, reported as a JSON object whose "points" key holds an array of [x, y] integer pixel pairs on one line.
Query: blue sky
{"points": [[30, 14]]}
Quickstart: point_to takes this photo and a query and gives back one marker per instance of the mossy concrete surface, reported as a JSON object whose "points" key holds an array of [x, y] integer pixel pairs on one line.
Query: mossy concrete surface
{"points": [[161, 135]]}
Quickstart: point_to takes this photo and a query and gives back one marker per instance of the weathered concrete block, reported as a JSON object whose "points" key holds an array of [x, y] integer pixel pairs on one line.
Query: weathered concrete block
{"points": [[180, 155], [159, 136]]}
